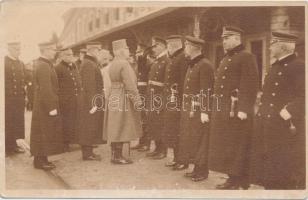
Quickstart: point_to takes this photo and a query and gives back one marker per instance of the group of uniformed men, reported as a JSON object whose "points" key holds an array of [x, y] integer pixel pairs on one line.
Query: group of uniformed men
{"points": [[207, 116]]}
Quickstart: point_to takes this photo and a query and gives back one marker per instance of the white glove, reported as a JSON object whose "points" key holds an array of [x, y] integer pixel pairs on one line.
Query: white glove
{"points": [[242, 115], [53, 112], [93, 110], [204, 117], [285, 114]]}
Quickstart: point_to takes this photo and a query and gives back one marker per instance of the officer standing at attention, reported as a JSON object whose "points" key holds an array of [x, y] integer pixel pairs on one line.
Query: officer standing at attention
{"points": [[195, 116], [155, 97], [14, 99], [70, 97], [143, 67], [173, 94], [91, 129], [235, 91], [46, 125], [280, 121]]}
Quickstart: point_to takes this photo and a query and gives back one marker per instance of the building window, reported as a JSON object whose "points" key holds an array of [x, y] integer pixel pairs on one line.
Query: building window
{"points": [[129, 10], [90, 26], [117, 14], [97, 19], [97, 22], [106, 18]]}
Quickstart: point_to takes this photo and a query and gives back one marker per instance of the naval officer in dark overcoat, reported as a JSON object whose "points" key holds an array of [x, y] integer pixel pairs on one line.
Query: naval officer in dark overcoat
{"points": [[195, 114], [14, 99], [155, 104], [46, 125], [235, 91], [278, 154]]}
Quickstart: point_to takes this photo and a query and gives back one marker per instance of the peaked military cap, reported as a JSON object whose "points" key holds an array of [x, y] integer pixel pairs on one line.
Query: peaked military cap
{"points": [[283, 37], [93, 44], [13, 43], [231, 30], [194, 40], [156, 40], [48, 45]]}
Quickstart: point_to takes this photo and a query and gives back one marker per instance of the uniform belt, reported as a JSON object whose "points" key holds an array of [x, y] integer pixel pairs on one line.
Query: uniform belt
{"points": [[196, 103], [142, 83], [117, 85], [156, 83]]}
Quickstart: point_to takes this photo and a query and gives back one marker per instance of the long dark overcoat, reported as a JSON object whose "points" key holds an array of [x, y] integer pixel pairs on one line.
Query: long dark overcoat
{"points": [[199, 80], [91, 127], [230, 136], [70, 100], [14, 100], [172, 111], [278, 155], [46, 130], [155, 120]]}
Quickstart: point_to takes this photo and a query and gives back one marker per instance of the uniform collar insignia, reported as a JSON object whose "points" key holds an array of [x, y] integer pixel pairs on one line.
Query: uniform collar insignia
{"points": [[235, 50], [287, 58], [45, 60], [176, 53], [162, 54], [195, 60]]}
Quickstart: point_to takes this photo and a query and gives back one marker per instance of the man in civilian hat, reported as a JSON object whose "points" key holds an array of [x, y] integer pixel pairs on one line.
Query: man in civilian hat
{"points": [[70, 96], [279, 137], [235, 91], [173, 89], [195, 115], [143, 66], [14, 99], [46, 127], [155, 104], [91, 129], [122, 118]]}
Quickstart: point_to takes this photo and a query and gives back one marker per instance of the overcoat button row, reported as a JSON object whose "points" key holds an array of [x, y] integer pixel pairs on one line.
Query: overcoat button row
{"points": [[276, 83]]}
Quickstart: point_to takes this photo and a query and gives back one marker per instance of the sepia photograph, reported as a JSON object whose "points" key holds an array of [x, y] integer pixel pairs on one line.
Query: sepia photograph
{"points": [[149, 99]]}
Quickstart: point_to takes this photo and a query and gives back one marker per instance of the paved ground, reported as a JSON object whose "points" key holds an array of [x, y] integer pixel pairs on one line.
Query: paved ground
{"points": [[20, 174], [73, 173]]}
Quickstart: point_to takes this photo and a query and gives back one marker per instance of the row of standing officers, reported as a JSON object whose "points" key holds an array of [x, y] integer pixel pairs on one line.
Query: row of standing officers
{"points": [[263, 144]]}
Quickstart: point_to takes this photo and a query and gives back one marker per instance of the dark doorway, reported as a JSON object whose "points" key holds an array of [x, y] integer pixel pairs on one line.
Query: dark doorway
{"points": [[257, 50]]}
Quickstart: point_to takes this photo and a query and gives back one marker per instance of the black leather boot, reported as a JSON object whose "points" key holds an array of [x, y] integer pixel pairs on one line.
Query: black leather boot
{"points": [[119, 158]]}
